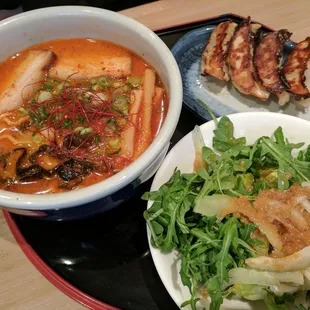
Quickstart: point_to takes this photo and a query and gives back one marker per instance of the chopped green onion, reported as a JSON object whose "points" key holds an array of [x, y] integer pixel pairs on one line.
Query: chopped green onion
{"points": [[121, 121], [135, 81], [114, 142], [34, 117], [68, 124], [118, 83], [81, 119], [50, 79], [102, 96], [78, 129], [86, 131], [110, 128], [86, 96], [57, 116], [93, 81], [23, 111], [111, 121], [113, 152], [37, 138], [44, 95], [124, 89], [47, 87], [42, 113], [96, 87], [104, 81], [121, 104], [60, 87], [97, 139]]}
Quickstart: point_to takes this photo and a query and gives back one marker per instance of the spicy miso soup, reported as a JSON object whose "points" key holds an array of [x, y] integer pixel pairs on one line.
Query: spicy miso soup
{"points": [[73, 112]]}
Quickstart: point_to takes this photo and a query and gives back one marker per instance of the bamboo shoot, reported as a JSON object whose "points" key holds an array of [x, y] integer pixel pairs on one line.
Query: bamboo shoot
{"points": [[158, 108], [146, 129], [128, 135]]}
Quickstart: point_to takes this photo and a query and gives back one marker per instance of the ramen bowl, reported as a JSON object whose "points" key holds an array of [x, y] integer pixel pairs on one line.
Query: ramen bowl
{"points": [[27, 29]]}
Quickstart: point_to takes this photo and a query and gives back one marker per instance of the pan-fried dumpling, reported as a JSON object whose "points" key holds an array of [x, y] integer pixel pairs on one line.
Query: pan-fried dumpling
{"points": [[240, 61], [296, 70], [268, 58], [213, 60]]}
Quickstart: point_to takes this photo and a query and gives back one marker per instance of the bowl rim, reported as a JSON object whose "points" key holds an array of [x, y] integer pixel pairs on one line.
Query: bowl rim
{"points": [[135, 169], [208, 125]]}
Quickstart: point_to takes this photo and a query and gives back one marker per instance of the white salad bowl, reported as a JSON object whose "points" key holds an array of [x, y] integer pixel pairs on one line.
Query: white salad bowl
{"points": [[251, 125], [27, 29]]}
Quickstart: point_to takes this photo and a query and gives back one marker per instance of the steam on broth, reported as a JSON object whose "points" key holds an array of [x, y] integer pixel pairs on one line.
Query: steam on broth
{"points": [[74, 112]]}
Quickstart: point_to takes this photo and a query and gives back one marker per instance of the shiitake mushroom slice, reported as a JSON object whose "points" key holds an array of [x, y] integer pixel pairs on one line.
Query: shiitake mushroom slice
{"points": [[44, 162], [33, 171], [74, 169], [76, 140], [9, 163], [46, 158], [72, 184]]}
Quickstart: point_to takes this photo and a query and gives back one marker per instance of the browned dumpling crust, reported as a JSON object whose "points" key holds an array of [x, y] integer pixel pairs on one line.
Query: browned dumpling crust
{"points": [[268, 58], [214, 56], [240, 61], [295, 68]]}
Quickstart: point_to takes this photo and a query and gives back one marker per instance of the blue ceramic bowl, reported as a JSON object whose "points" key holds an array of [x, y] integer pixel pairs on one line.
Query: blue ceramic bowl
{"points": [[27, 29]]}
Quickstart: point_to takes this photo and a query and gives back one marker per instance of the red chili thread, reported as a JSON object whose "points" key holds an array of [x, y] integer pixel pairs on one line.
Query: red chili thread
{"points": [[68, 105]]}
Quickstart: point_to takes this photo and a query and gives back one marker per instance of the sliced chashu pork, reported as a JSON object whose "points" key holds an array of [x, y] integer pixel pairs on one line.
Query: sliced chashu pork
{"points": [[77, 69], [30, 76], [213, 60], [240, 61], [296, 70], [267, 59]]}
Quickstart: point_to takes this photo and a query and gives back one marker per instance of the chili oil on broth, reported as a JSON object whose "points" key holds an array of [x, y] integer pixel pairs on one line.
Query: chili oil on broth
{"points": [[17, 129]]}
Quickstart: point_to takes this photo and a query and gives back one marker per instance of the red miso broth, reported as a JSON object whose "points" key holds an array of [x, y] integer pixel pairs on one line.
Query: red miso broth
{"points": [[74, 112]]}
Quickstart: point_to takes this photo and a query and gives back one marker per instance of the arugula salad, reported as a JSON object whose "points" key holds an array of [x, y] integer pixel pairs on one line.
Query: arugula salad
{"points": [[240, 222]]}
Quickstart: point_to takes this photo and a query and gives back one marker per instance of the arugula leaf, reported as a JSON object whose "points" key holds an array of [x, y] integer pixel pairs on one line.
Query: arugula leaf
{"points": [[300, 156], [242, 165], [185, 274], [170, 206], [209, 157], [224, 136], [245, 184], [228, 232], [289, 167], [208, 110], [278, 134], [202, 172], [270, 176], [307, 154]]}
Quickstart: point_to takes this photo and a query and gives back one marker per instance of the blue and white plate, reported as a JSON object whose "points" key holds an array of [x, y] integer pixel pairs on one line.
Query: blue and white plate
{"points": [[220, 96]]}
